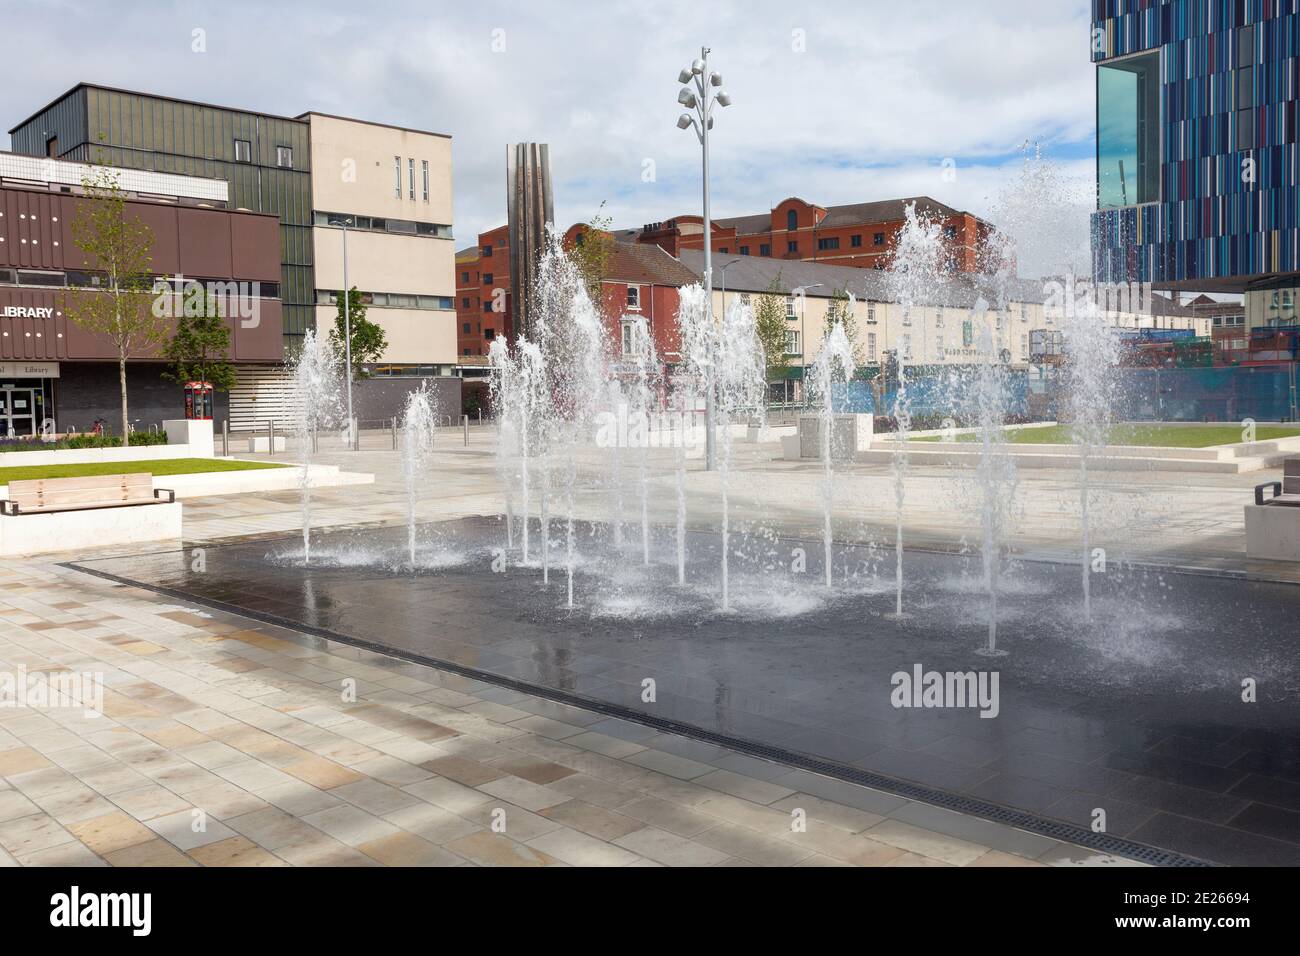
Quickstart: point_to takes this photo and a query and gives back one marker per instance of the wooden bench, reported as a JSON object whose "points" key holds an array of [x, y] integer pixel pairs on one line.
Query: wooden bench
{"points": [[88, 493]]}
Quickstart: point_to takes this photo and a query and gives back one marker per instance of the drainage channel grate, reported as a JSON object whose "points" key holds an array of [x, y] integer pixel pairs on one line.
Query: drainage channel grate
{"points": [[1054, 829]]}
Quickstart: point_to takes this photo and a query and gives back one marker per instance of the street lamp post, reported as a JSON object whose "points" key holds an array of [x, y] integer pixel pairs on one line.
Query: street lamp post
{"points": [[701, 118], [347, 332], [802, 293]]}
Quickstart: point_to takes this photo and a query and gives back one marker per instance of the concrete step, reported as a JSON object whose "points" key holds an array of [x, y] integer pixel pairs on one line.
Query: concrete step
{"points": [[882, 453]]}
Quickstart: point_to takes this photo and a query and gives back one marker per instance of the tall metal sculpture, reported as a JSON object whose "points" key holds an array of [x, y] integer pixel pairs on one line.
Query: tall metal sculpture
{"points": [[530, 209]]}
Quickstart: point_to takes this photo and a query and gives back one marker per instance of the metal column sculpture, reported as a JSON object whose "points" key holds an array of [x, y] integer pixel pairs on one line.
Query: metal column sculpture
{"points": [[530, 210]]}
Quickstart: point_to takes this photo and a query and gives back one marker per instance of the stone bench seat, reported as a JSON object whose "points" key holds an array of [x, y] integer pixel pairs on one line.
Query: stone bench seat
{"points": [[43, 515], [85, 493]]}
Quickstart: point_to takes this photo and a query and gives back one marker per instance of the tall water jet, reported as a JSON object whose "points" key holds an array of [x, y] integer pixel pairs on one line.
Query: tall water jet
{"points": [[740, 383], [914, 276], [988, 398], [834, 364], [698, 342], [418, 424], [1092, 351], [643, 394], [317, 381], [573, 349], [1042, 218], [528, 366], [502, 388]]}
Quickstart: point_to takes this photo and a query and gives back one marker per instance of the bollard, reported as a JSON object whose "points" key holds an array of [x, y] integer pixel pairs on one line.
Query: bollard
{"points": [[394, 433], [225, 438], [270, 437], [465, 425], [480, 415]]}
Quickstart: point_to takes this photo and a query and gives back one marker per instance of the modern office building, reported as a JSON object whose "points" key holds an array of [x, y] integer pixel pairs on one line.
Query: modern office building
{"points": [[1198, 169], [392, 185], [51, 370], [386, 191]]}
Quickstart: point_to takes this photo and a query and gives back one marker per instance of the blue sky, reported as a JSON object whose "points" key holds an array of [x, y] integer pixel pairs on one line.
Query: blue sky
{"points": [[835, 102]]}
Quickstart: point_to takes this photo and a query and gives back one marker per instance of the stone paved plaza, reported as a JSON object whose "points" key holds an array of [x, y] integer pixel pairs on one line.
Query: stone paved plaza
{"points": [[247, 724]]}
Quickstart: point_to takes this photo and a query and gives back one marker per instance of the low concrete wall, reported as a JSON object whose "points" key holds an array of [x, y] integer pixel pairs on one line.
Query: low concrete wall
{"points": [[203, 484], [77, 456], [84, 530], [1273, 532]]}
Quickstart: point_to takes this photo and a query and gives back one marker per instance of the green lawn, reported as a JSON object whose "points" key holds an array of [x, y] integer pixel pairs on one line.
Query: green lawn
{"points": [[1164, 436], [158, 468]]}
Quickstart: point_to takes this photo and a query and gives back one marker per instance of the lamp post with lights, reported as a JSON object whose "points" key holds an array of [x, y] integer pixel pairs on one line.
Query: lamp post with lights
{"points": [[700, 116]]}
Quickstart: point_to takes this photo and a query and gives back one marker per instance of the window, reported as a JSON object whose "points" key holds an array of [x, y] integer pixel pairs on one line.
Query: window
{"points": [[938, 317], [744, 250], [724, 249], [744, 298], [907, 348], [792, 247], [950, 232], [878, 239], [243, 151], [634, 297], [489, 333], [464, 302], [828, 242], [871, 346], [856, 240], [397, 177], [871, 313], [1024, 344], [629, 337], [907, 316], [410, 166], [464, 277], [487, 278], [764, 249], [1024, 312], [938, 347], [487, 250], [791, 220], [424, 168], [792, 342], [789, 307], [284, 157], [1128, 131], [465, 328], [487, 305]]}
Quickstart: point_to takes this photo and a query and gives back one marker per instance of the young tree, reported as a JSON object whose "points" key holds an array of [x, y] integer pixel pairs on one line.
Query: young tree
{"points": [[117, 249], [368, 339], [591, 252], [840, 311], [770, 320], [198, 348]]}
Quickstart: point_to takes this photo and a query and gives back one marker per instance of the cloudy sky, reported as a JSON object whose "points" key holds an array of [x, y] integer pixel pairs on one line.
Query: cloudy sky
{"points": [[835, 102]]}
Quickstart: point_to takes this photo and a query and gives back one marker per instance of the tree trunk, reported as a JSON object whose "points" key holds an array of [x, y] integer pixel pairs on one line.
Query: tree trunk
{"points": [[121, 379]]}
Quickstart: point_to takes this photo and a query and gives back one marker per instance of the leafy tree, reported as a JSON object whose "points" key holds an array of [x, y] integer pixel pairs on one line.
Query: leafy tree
{"points": [[841, 311], [116, 247], [368, 339], [770, 320], [590, 253], [198, 348]]}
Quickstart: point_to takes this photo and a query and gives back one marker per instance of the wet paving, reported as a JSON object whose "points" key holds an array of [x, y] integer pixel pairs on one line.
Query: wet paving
{"points": [[1171, 716]]}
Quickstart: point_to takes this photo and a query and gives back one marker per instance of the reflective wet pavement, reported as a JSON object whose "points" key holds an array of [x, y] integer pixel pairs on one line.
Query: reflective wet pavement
{"points": [[1138, 714]]}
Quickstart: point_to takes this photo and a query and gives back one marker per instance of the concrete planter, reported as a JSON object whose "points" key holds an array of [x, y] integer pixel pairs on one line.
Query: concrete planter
{"points": [[83, 530]]}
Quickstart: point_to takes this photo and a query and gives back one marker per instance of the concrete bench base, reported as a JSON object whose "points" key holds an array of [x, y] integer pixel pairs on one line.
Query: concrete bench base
{"points": [[84, 530], [1273, 532]]}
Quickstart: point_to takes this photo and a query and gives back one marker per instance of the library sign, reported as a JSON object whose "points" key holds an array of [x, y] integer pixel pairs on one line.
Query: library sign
{"points": [[29, 369]]}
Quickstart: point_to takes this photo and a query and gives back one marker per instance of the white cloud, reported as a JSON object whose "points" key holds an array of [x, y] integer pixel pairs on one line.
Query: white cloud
{"points": [[884, 91]]}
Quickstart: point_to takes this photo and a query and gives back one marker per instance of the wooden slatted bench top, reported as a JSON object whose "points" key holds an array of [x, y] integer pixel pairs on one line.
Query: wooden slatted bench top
{"points": [[42, 495]]}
